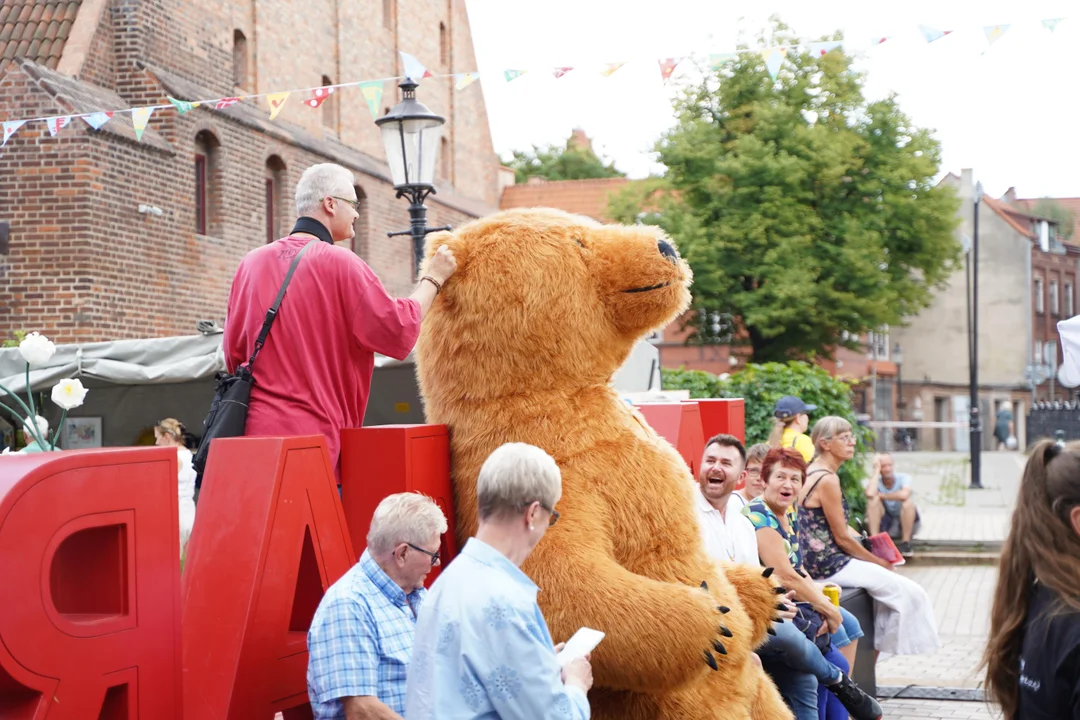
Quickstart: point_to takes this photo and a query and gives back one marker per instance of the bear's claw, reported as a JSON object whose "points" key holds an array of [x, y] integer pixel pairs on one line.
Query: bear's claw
{"points": [[710, 660], [705, 586], [770, 631], [719, 647], [767, 572], [779, 589], [725, 632], [724, 609]]}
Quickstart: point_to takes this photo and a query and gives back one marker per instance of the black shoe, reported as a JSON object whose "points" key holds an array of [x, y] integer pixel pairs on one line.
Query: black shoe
{"points": [[905, 549], [860, 705]]}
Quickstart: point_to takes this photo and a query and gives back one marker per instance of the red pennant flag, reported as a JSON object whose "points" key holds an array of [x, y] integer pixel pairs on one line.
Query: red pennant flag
{"points": [[667, 67], [559, 72], [226, 102], [318, 96]]}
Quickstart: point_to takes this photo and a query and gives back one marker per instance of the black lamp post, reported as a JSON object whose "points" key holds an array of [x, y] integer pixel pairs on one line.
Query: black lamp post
{"points": [[411, 135], [973, 346]]}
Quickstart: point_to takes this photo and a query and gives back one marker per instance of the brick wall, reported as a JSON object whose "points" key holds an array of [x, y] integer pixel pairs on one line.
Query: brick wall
{"points": [[85, 265]]}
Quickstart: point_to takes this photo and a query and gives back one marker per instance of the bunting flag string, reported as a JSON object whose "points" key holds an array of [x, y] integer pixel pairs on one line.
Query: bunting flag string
{"points": [[373, 90]]}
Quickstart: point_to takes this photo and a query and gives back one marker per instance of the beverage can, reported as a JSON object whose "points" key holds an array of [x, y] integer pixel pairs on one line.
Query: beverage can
{"points": [[833, 593]]}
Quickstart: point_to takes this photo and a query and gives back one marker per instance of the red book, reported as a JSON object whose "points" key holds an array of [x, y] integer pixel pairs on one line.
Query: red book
{"points": [[883, 547]]}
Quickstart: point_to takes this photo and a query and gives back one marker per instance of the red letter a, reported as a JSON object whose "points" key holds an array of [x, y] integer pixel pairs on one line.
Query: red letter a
{"points": [[269, 538], [89, 586]]}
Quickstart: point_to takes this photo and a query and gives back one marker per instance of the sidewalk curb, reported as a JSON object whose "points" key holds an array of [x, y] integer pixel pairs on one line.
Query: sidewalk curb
{"points": [[920, 692]]}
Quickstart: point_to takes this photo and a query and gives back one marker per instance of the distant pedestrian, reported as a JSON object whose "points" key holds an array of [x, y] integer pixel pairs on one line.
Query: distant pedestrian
{"points": [[1004, 430], [170, 433], [792, 418], [1032, 658]]}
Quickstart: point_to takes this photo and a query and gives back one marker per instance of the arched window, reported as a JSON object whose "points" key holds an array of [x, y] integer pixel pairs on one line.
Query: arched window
{"points": [[240, 59], [361, 241], [275, 200], [207, 184], [444, 46], [329, 107]]}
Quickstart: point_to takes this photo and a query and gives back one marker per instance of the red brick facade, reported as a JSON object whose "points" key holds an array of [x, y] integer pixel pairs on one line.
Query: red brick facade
{"points": [[84, 264]]}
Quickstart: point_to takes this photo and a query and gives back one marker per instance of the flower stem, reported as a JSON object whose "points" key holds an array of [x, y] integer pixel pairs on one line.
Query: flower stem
{"points": [[33, 413], [29, 410], [56, 435]]}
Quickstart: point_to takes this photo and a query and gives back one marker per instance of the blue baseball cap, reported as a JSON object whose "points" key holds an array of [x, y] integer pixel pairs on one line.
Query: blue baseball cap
{"points": [[789, 406]]}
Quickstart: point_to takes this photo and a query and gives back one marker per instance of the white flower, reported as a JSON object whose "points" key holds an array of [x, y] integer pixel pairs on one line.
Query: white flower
{"points": [[68, 393], [36, 349]]}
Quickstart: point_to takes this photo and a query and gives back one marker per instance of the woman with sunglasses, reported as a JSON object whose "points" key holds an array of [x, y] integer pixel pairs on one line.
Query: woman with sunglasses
{"points": [[903, 615], [482, 647]]}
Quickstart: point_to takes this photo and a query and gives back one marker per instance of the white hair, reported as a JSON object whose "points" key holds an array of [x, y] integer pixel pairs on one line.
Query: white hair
{"points": [[322, 181], [404, 518], [42, 428], [513, 477]]}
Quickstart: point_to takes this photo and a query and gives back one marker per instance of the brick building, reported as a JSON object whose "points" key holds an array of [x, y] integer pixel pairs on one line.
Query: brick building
{"points": [[113, 238]]}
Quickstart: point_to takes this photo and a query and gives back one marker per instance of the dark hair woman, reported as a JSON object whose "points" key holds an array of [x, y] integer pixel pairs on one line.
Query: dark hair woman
{"points": [[1033, 657]]}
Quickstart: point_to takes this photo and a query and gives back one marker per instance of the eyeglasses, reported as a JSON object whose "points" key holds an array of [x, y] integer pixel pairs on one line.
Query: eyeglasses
{"points": [[846, 438], [433, 555], [354, 203], [756, 470], [554, 518]]}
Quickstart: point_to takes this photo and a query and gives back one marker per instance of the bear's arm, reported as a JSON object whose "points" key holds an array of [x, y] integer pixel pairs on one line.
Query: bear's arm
{"points": [[658, 634]]}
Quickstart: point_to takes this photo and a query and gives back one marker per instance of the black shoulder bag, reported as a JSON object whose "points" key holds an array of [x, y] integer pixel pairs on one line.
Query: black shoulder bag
{"points": [[228, 412]]}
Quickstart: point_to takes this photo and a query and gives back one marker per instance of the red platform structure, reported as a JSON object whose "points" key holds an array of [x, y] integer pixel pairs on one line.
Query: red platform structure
{"points": [[722, 415], [269, 539], [385, 459], [89, 586], [680, 425]]}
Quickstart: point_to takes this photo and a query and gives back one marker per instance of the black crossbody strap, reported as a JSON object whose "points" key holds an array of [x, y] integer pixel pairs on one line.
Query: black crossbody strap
{"points": [[273, 311]]}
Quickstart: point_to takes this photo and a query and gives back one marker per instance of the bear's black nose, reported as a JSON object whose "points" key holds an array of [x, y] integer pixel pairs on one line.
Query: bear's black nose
{"points": [[667, 251]]}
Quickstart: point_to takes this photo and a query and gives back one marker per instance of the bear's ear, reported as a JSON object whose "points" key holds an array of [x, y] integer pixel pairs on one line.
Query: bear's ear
{"points": [[442, 237]]}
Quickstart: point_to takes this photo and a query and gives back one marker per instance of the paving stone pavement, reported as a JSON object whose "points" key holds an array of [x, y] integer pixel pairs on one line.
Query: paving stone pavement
{"points": [[938, 710]]}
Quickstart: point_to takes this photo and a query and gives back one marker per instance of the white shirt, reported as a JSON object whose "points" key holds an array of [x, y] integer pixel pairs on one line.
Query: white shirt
{"points": [[729, 539]]}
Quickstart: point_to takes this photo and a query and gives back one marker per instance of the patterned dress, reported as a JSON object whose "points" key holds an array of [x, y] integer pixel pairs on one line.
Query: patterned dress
{"points": [[762, 516], [822, 557]]}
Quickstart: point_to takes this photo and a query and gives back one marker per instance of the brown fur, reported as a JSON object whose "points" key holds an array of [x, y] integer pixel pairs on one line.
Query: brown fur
{"points": [[520, 346]]}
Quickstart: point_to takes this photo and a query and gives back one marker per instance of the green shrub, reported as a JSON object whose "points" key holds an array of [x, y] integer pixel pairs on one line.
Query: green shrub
{"points": [[762, 385]]}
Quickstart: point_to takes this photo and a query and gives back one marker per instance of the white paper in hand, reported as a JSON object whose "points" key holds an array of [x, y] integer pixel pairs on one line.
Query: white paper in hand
{"points": [[584, 642]]}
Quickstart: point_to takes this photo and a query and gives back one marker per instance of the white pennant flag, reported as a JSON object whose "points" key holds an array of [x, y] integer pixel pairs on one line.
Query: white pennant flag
{"points": [[58, 123], [97, 120], [414, 69], [10, 128], [994, 32]]}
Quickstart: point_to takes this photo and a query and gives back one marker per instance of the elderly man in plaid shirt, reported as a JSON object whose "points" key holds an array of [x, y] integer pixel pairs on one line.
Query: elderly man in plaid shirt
{"points": [[361, 637]]}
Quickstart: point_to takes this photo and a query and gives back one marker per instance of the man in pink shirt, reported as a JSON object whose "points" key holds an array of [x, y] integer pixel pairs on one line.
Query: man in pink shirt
{"points": [[313, 376]]}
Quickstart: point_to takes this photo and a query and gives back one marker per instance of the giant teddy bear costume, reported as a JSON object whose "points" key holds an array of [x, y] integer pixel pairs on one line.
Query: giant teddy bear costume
{"points": [[521, 345]]}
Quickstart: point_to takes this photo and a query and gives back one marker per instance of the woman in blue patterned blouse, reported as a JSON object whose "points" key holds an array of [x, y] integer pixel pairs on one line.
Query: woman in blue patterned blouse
{"points": [[482, 647]]}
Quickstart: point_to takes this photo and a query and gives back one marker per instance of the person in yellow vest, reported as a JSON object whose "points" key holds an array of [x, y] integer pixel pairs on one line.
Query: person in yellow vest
{"points": [[792, 419]]}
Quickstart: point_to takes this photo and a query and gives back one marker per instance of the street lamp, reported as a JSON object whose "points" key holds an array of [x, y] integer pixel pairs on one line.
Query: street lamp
{"points": [[411, 135], [975, 441]]}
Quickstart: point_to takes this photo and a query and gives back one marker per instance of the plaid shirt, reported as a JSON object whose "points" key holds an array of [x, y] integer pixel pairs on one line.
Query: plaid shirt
{"points": [[360, 641]]}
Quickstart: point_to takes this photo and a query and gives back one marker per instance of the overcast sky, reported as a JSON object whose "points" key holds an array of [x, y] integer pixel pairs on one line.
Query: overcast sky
{"points": [[1012, 112]]}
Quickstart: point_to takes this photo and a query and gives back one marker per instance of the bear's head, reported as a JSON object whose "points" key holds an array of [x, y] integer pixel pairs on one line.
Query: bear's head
{"points": [[551, 299]]}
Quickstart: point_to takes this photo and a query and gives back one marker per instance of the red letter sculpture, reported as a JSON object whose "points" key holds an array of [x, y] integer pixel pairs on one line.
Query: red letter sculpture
{"points": [[89, 586], [269, 539]]}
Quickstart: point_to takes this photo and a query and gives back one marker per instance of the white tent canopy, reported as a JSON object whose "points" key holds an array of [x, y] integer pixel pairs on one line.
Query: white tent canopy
{"points": [[123, 362]]}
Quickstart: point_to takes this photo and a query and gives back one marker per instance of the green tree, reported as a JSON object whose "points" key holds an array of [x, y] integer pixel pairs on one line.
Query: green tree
{"points": [[17, 337], [760, 386], [574, 161], [1053, 210], [808, 214]]}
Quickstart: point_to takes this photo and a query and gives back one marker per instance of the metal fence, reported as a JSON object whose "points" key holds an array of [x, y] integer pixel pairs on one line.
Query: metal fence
{"points": [[1053, 420]]}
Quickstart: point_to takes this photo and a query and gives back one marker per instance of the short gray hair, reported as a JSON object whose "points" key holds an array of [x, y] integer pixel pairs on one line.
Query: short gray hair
{"points": [[40, 424], [321, 181], [404, 518], [827, 428], [514, 476]]}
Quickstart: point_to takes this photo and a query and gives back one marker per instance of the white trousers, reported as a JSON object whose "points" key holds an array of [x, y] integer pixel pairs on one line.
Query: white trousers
{"points": [[904, 621]]}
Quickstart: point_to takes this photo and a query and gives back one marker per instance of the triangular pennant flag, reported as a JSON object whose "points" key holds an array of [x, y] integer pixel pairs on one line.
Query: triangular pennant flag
{"points": [[183, 106], [58, 123], [994, 32], [140, 116], [932, 34], [821, 48], [97, 119], [10, 128], [718, 60], [879, 40], [277, 101], [226, 102], [464, 80], [560, 71], [610, 68], [414, 69], [774, 58], [1051, 23], [512, 75], [667, 66], [318, 96], [372, 92]]}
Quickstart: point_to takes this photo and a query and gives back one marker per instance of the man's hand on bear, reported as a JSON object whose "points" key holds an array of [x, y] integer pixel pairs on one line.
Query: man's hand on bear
{"points": [[442, 265]]}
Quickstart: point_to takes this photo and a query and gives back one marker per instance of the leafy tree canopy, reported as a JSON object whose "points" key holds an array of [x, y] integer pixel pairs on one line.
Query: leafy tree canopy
{"points": [[574, 161], [1053, 210], [808, 214]]}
